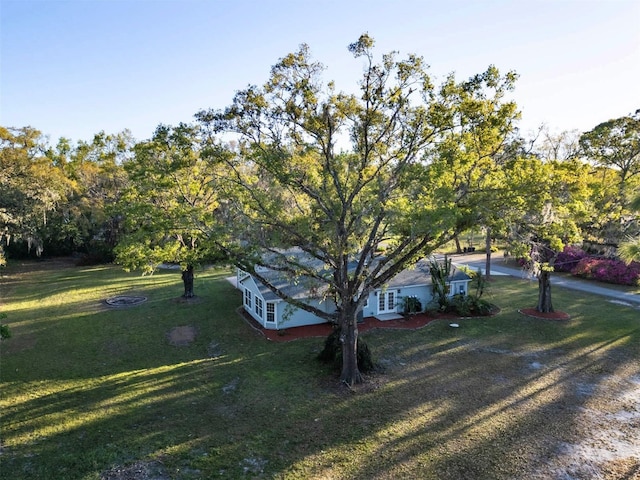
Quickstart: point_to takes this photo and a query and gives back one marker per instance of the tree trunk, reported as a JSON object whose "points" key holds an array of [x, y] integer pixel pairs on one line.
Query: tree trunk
{"points": [[187, 279], [544, 292], [487, 244], [349, 340], [458, 247]]}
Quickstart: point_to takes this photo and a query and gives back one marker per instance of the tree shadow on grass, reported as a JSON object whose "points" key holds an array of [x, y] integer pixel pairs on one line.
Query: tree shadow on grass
{"points": [[504, 397], [479, 411]]}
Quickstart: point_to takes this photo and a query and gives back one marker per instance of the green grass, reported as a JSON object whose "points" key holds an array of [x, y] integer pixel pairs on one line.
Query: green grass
{"points": [[87, 389]]}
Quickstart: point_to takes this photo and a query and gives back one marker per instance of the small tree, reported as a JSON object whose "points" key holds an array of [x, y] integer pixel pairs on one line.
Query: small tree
{"points": [[478, 283], [440, 273], [547, 217]]}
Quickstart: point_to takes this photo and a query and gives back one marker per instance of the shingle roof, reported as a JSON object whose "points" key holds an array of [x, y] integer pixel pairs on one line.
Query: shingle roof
{"points": [[421, 275], [301, 288]]}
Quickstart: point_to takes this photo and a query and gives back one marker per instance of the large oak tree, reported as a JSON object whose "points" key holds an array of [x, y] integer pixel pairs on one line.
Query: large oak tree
{"points": [[171, 204], [357, 182]]}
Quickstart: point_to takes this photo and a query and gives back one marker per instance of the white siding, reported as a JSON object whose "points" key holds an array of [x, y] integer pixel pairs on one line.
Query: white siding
{"points": [[286, 316], [289, 316], [249, 296]]}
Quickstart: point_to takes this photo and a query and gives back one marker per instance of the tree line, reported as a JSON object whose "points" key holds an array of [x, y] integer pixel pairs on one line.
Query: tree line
{"points": [[362, 183]]}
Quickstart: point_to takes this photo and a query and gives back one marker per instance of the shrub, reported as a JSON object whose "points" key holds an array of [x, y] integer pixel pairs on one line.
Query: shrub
{"points": [[4, 332], [568, 259], [610, 271], [4, 329], [470, 306], [461, 305], [332, 353], [411, 305], [434, 306]]}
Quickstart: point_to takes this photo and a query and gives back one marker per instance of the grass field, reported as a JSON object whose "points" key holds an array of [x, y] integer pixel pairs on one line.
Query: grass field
{"points": [[93, 392]]}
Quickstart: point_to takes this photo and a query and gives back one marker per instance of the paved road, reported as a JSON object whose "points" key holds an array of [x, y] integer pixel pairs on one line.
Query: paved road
{"points": [[498, 268]]}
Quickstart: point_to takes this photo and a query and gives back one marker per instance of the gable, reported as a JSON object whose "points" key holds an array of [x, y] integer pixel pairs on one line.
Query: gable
{"points": [[265, 292]]}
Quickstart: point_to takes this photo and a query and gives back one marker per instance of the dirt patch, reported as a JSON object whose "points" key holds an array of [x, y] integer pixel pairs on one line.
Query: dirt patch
{"points": [[182, 336], [608, 446], [125, 301], [18, 343], [136, 471]]}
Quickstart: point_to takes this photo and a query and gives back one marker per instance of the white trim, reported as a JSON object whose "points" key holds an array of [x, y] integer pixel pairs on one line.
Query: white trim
{"points": [[259, 306], [417, 285], [248, 298], [275, 313]]}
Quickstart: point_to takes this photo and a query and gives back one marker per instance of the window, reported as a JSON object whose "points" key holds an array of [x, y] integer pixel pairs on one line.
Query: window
{"points": [[271, 312], [259, 307], [247, 297]]}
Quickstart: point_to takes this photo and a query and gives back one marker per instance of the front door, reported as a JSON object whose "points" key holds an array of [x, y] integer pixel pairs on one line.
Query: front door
{"points": [[387, 302]]}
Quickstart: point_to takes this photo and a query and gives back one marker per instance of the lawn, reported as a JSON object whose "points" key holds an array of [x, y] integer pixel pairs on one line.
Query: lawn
{"points": [[94, 392]]}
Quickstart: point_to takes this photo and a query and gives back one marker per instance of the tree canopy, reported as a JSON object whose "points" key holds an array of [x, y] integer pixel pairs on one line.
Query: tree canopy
{"points": [[32, 188], [363, 184], [337, 191], [171, 205], [613, 147]]}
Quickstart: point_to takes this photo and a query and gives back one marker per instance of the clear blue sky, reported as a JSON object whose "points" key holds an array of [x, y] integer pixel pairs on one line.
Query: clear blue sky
{"points": [[74, 68]]}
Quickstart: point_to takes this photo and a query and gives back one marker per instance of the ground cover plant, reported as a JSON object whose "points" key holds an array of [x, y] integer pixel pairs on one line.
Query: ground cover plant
{"points": [[92, 392]]}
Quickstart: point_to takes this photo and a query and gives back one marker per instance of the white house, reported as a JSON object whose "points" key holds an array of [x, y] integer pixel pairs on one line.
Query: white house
{"points": [[385, 303]]}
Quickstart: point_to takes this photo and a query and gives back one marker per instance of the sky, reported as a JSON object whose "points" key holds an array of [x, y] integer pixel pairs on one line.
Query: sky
{"points": [[74, 68]]}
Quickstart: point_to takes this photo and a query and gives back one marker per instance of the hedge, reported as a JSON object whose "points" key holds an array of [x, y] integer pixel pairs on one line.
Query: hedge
{"points": [[610, 271], [579, 263]]}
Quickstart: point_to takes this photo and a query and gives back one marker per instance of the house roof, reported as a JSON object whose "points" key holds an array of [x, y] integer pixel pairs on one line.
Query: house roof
{"points": [[294, 288], [301, 288], [420, 274]]}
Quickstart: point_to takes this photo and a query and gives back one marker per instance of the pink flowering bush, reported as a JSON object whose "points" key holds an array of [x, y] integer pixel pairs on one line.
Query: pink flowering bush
{"points": [[576, 261], [610, 271], [568, 259]]}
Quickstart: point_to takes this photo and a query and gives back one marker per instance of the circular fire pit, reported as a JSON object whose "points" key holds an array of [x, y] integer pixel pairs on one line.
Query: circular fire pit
{"points": [[125, 301]]}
